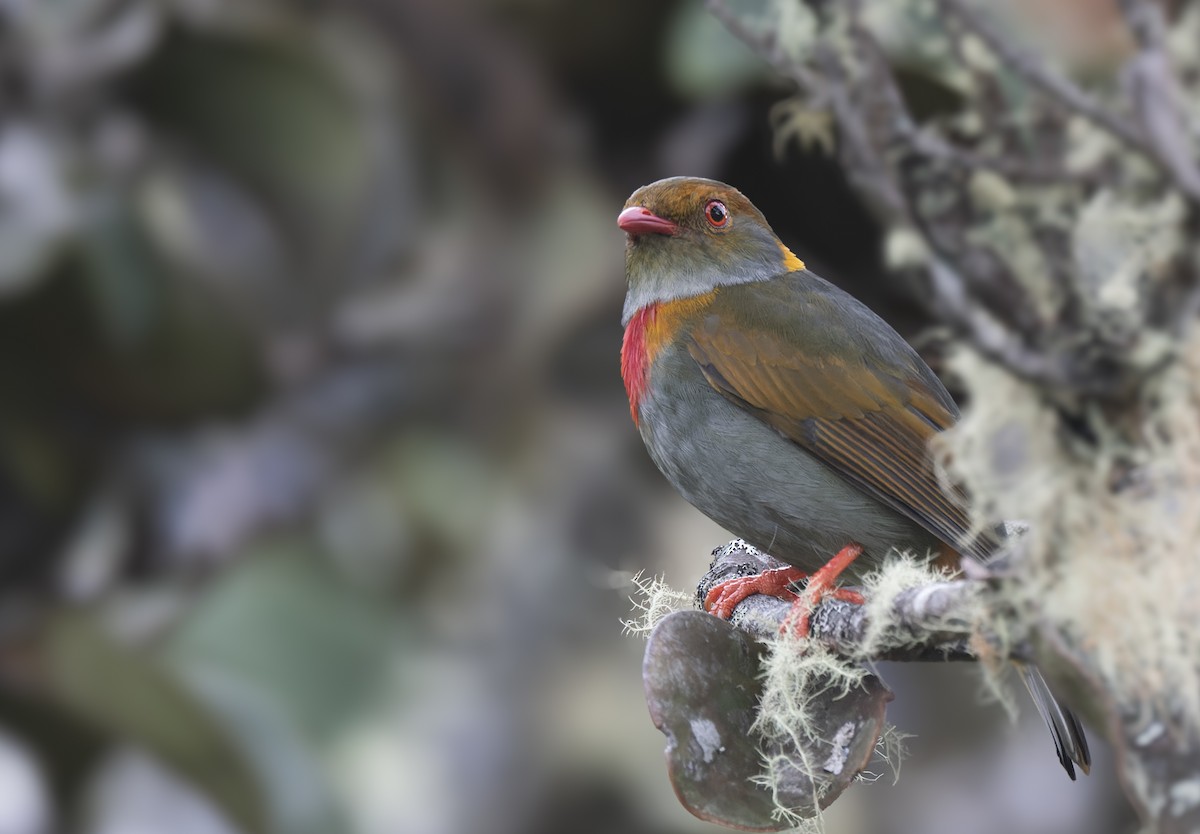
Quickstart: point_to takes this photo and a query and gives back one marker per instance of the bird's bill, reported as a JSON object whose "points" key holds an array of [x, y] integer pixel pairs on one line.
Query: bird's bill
{"points": [[638, 220]]}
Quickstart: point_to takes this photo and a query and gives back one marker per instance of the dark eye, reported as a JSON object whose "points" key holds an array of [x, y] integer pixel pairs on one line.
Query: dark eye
{"points": [[716, 213]]}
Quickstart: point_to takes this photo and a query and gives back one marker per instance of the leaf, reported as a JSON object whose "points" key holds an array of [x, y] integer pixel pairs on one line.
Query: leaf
{"points": [[704, 60], [295, 786], [170, 346], [275, 111], [703, 684], [127, 694], [283, 625], [36, 214]]}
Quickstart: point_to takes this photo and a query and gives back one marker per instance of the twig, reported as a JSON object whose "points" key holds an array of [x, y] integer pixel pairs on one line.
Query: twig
{"points": [[866, 165], [932, 145], [1153, 85], [1030, 67], [929, 622], [1145, 21], [1155, 93], [953, 304]]}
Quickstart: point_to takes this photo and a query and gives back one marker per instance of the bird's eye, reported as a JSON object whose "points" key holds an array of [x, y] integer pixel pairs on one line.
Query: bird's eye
{"points": [[716, 213]]}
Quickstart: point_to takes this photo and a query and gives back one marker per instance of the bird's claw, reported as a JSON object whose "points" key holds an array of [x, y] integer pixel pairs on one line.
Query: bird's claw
{"points": [[820, 586], [725, 596]]}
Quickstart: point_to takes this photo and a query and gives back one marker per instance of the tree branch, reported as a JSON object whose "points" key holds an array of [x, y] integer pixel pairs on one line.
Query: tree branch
{"points": [[1155, 93], [1161, 134], [929, 622], [951, 302], [932, 145], [1033, 69], [1061, 286]]}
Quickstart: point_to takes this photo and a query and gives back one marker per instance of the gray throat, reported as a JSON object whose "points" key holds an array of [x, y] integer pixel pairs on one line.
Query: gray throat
{"points": [[651, 281]]}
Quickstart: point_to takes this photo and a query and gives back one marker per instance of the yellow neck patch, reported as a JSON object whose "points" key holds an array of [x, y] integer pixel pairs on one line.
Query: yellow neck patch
{"points": [[790, 262]]}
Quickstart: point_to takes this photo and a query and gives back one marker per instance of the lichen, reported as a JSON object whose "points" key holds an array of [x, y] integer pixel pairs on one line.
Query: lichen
{"points": [[653, 599], [897, 574], [1109, 558], [797, 675], [890, 750]]}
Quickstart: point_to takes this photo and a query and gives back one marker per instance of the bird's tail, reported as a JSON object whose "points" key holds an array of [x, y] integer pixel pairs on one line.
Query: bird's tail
{"points": [[1069, 741]]}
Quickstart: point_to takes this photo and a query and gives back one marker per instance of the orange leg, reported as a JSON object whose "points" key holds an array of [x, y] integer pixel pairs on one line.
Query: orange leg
{"points": [[723, 597], [820, 585]]}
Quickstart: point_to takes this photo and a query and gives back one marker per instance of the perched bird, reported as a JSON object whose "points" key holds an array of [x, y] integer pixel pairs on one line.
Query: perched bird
{"points": [[783, 408]]}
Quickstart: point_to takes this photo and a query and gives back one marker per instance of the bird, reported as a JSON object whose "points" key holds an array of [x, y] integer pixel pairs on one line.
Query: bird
{"points": [[786, 410]]}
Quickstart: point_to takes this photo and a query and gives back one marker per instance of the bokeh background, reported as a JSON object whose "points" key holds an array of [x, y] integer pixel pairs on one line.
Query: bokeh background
{"points": [[319, 497]]}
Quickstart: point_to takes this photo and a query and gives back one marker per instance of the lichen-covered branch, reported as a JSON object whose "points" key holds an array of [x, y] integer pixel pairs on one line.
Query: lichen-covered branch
{"points": [[933, 621], [1051, 220], [983, 189], [1156, 95], [1027, 64]]}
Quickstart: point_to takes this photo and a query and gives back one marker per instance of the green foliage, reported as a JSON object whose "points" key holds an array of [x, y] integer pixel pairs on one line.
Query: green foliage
{"points": [[185, 195], [703, 60], [282, 624], [124, 693]]}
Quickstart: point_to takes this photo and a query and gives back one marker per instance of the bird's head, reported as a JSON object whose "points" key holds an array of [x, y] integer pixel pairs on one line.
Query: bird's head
{"points": [[688, 236]]}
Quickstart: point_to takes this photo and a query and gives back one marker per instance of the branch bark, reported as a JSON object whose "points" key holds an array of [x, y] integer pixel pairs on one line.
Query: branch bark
{"points": [[1025, 63], [1156, 96], [1030, 248], [937, 621], [973, 282], [929, 622]]}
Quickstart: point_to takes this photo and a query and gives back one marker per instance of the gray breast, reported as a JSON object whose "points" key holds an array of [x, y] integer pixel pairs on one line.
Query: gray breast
{"points": [[756, 483]]}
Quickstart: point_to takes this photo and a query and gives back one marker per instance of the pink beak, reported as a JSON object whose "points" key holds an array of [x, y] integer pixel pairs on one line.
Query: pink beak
{"points": [[637, 220]]}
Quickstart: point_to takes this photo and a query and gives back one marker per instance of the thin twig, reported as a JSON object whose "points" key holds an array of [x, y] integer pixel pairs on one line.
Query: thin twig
{"points": [[1034, 70], [1156, 96], [866, 167], [866, 164], [932, 145], [1050, 370], [1154, 90]]}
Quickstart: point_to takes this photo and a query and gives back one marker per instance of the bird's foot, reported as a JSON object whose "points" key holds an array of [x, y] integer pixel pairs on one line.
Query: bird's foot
{"points": [[723, 597], [820, 586]]}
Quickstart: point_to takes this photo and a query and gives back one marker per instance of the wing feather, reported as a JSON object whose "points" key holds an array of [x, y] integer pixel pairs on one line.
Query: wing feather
{"points": [[820, 368]]}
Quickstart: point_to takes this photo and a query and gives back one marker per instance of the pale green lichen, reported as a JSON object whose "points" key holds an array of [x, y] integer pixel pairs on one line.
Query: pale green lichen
{"points": [[890, 750], [1012, 239], [1182, 38], [797, 26], [1088, 147], [991, 192], [797, 674], [794, 120], [653, 600], [904, 248], [899, 573], [1110, 555]]}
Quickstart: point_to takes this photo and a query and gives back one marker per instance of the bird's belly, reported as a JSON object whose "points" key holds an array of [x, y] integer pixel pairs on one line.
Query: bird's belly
{"points": [[764, 488]]}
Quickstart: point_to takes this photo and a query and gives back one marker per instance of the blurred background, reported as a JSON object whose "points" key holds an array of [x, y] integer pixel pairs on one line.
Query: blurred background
{"points": [[319, 496]]}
